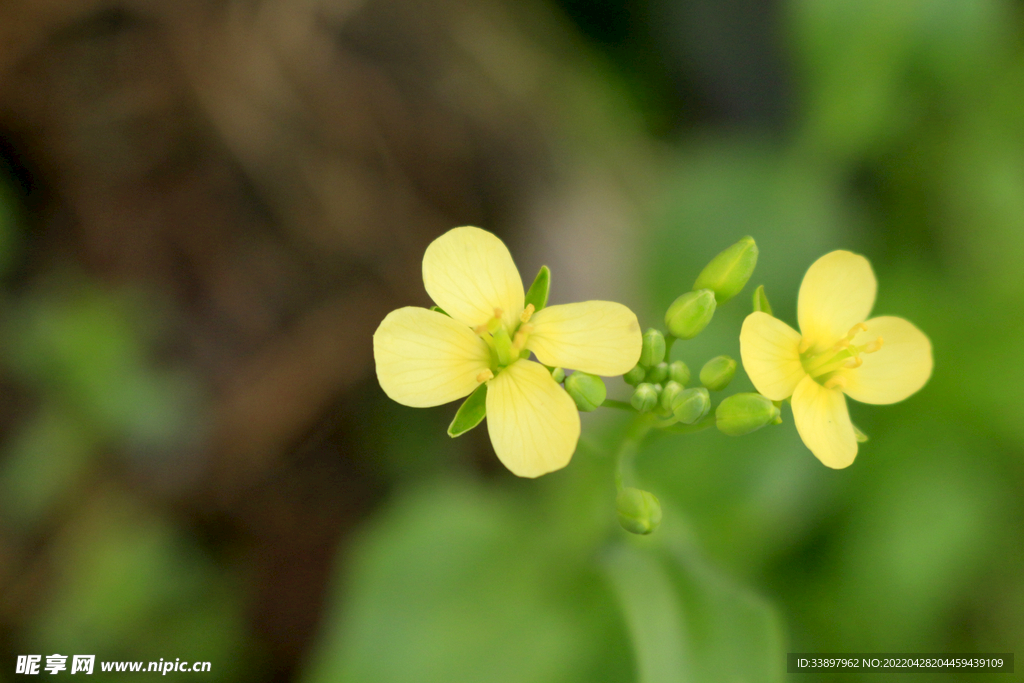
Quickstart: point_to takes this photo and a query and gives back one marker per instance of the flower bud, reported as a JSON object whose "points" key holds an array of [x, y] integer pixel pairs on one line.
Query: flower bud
{"points": [[690, 313], [744, 413], [635, 376], [657, 374], [653, 350], [761, 301], [691, 405], [558, 374], [729, 271], [667, 394], [639, 511], [679, 372], [718, 372], [588, 391], [644, 398]]}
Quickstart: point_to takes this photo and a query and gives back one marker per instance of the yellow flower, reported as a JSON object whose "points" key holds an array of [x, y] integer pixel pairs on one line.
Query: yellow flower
{"points": [[425, 358], [837, 351]]}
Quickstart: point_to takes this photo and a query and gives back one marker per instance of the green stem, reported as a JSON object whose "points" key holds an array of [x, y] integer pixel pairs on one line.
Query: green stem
{"points": [[628, 448], [618, 405], [669, 341], [699, 426]]}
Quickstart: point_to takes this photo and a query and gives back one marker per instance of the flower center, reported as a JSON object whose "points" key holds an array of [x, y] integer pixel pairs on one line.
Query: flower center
{"points": [[825, 366], [507, 346]]}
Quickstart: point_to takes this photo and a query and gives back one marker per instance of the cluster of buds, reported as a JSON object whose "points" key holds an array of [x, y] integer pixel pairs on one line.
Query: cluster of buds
{"points": [[661, 384]]}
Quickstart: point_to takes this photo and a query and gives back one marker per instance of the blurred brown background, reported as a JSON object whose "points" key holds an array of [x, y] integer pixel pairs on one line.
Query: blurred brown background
{"points": [[267, 174]]}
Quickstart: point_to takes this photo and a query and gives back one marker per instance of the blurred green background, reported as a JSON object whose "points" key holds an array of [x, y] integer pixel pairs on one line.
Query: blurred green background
{"points": [[890, 129]]}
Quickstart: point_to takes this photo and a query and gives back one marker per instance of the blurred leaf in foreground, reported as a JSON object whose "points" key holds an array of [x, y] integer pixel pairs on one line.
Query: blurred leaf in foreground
{"points": [[688, 622], [459, 583]]}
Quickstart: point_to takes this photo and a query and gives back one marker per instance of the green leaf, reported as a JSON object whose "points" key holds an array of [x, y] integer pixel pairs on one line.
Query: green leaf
{"points": [[455, 582], [439, 310], [761, 301], [653, 614], [471, 412], [538, 293], [689, 622]]}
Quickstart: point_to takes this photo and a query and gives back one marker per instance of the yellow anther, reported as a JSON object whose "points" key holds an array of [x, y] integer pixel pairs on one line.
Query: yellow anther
{"points": [[519, 341], [498, 312], [526, 329], [527, 313], [805, 344], [859, 327], [874, 346], [480, 329], [841, 344], [484, 376], [855, 362], [837, 382]]}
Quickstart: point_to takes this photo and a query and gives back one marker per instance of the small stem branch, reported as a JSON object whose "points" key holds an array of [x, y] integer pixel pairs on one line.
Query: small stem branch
{"points": [[618, 405], [669, 341], [628, 448], [705, 422]]}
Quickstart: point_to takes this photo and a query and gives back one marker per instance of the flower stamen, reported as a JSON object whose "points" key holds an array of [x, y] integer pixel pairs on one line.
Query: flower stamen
{"points": [[855, 330], [843, 354], [484, 376], [527, 313], [519, 341]]}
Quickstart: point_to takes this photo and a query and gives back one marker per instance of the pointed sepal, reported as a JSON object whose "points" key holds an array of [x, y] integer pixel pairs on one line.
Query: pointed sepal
{"points": [[471, 413], [761, 301], [538, 292]]}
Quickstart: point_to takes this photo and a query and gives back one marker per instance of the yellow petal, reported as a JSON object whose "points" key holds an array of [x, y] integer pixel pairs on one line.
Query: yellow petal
{"points": [[599, 337], [468, 272], [899, 369], [533, 423], [425, 358], [838, 292], [770, 350], [824, 424]]}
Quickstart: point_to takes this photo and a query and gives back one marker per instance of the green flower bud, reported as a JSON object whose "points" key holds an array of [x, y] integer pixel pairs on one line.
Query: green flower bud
{"points": [[679, 372], [639, 511], [744, 413], [691, 405], [558, 374], [729, 271], [653, 350], [667, 394], [761, 301], [644, 398], [718, 372], [635, 376], [690, 313], [588, 391], [657, 374]]}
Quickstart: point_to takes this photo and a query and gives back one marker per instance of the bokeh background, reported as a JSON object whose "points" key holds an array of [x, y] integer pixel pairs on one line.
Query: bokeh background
{"points": [[207, 207]]}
